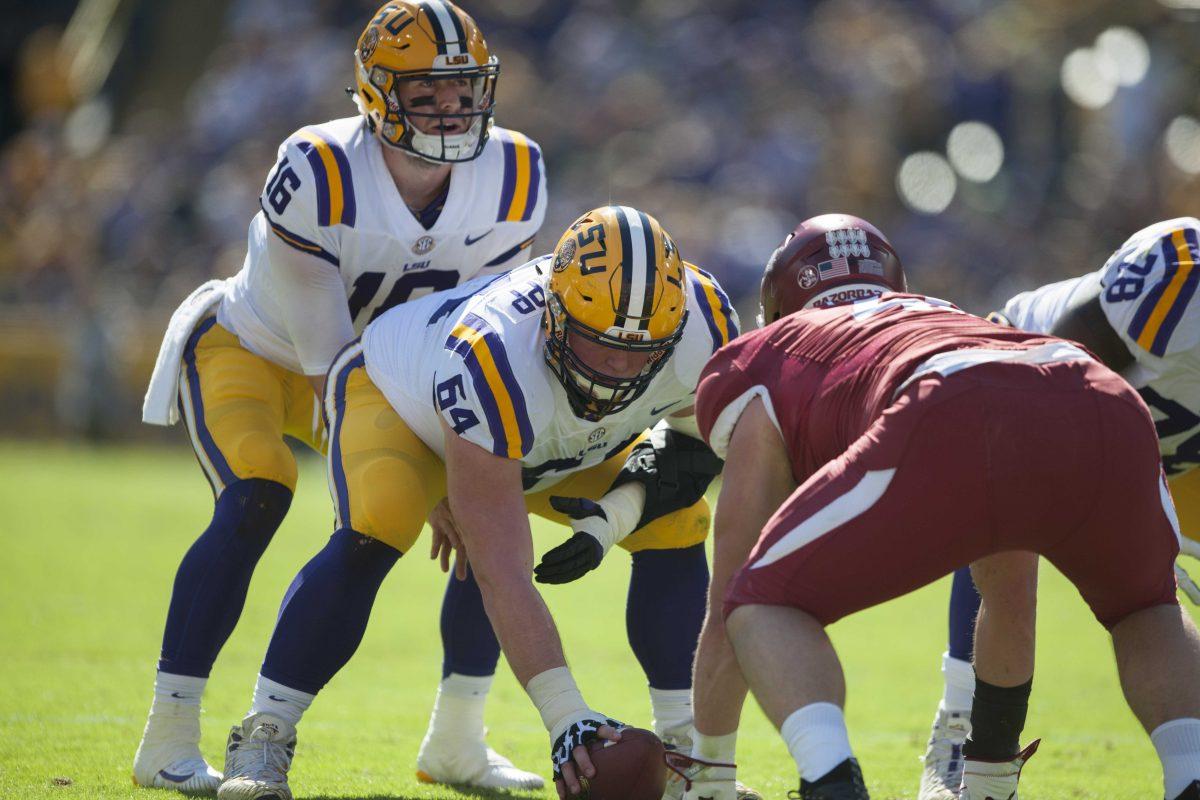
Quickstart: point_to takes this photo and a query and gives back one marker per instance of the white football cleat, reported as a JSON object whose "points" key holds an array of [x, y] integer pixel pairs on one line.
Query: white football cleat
{"points": [[943, 758], [257, 757], [168, 756], [694, 779], [994, 780], [462, 762]]}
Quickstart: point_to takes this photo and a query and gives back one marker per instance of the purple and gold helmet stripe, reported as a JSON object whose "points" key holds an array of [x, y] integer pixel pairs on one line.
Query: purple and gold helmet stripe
{"points": [[522, 176], [335, 185], [495, 385]]}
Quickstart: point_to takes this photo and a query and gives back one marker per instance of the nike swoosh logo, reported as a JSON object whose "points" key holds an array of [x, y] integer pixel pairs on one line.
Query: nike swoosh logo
{"points": [[179, 696], [469, 241], [175, 778], [277, 699], [656, 412]]}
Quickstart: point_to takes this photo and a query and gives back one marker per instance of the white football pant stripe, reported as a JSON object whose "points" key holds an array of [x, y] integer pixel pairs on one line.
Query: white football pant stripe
{"points": [[845, 508], [189, 418]]}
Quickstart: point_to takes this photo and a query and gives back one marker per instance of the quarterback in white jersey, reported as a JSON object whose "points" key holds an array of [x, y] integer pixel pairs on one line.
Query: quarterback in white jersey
{"points": [[1140, 314], [528, 392], [332, 196], [417, 193]]}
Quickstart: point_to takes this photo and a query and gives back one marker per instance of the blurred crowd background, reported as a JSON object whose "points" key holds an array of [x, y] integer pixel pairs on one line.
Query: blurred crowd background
{"points": [[1000, 144]]}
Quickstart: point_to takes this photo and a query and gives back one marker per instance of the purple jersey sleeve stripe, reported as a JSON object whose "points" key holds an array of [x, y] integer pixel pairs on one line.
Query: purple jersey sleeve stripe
{"points": [[509, 253], [535, 180], [726, 306], [500, 357], [510, 176], [491, 410], [318, 169], [349, 208], [706, 310], [300, 243], [1179, 306], [1142, 316]]}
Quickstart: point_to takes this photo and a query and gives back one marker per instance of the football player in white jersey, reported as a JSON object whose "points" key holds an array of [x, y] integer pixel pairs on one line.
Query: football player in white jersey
{"points": [[1140, 314], [529, 392], [416, 193]]}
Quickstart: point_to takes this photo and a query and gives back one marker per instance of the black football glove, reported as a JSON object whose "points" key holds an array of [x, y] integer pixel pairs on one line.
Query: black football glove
{"points": [[675, 468], [578, 555]]}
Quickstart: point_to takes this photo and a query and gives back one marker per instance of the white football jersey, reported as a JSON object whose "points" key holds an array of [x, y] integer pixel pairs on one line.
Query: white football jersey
{"points": [[473, 357], [330, 195], [1149, 297]]}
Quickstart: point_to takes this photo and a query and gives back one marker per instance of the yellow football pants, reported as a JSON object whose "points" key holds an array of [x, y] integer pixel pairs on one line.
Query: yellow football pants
{"points": [[238, 406], [1185, 491], [385, 480]]}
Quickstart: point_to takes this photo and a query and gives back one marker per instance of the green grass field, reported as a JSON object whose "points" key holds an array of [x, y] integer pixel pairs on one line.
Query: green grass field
{"points": [[91, 539]]}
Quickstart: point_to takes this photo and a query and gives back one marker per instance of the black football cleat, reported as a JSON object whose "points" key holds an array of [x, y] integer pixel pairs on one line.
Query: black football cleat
{"points": [[1192, 792], [843, 782]]}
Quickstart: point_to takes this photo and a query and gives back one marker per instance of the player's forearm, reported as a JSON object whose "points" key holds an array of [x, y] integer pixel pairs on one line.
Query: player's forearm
{"points": [[500, 547], [522, 622]]}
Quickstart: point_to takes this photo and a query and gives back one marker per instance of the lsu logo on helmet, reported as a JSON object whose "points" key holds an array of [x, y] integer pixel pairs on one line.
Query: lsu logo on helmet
{"points": [[617, 281], [431, 40]]}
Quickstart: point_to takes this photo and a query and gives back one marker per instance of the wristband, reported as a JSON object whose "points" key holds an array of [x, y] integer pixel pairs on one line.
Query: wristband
{"points": [[557, 699]]}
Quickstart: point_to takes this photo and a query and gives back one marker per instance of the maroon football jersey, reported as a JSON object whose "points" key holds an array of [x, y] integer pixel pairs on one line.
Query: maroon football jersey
{"points": [[827, 374]]}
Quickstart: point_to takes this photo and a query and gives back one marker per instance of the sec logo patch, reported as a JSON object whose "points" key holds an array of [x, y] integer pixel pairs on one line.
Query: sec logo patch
{"points": [[423, 245]]}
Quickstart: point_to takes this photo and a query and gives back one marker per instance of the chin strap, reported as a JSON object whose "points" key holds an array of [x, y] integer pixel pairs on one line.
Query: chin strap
{"points": [[679, 764]]}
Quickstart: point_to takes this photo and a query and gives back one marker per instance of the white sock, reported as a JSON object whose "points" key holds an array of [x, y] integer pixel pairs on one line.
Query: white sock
{"points": [[171, 691], [958, 693], [816, 737], [280, 701], [458, 709], [672, 711], [1178, 746], [720, 749]]}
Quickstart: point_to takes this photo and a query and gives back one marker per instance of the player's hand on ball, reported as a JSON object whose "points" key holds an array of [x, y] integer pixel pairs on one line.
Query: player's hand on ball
{"points": [[584, 551], [569, 752], [447, 540]]}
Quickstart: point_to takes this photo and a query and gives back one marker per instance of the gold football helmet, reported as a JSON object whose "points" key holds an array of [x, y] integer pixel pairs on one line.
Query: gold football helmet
{"points": [[431, 40], [617, 280]]}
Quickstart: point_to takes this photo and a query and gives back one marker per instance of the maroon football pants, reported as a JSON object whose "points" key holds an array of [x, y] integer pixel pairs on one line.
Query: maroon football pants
{"points": [[1059, 459]]}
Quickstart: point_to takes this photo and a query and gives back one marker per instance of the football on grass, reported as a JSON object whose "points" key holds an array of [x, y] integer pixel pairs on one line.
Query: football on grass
{"points": [[631, 769]]}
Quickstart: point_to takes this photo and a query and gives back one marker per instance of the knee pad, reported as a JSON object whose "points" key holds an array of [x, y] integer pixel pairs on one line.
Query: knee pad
{"points": [[254, 507], [388, 502], [262, 454]]}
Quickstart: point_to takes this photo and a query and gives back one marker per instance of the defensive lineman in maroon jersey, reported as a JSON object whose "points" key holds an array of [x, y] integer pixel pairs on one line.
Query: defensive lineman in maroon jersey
{"points": [[878, 440]]}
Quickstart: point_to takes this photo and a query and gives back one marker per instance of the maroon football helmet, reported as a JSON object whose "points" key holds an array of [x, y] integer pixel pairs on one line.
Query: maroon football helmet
{"points": [[828, 261]]}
